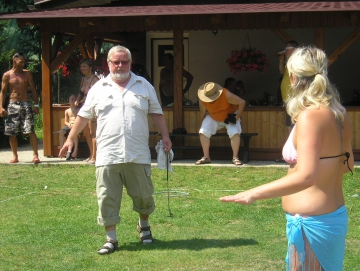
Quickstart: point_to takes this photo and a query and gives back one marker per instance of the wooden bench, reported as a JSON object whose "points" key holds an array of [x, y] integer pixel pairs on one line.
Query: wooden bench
{"points": [[245, 136]]}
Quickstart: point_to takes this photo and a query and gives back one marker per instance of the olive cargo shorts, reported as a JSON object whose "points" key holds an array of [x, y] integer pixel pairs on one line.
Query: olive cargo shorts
{"points": [[109, 190]]}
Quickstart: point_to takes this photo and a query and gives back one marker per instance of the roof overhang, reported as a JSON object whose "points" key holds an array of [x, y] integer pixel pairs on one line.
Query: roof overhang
{"points": [[123, 11]]}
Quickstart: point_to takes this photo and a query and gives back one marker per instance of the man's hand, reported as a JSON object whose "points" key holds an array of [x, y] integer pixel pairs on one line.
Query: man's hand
{"points": [[3, 113], [167, 144], [68, 146], [230, 119]]}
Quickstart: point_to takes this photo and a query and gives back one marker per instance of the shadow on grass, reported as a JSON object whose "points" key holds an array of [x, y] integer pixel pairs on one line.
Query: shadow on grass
{"points": [[189, 244]]}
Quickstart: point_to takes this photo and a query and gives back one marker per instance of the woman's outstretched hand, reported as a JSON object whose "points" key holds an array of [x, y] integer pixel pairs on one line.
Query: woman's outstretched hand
{"points": [[245, 198]]}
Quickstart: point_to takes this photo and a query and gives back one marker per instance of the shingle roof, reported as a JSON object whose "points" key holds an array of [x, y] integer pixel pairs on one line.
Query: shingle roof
{"points": [[186, 9]]}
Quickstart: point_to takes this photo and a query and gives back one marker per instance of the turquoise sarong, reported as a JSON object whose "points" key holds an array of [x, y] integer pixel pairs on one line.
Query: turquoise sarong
{"points": [[325, 234]]}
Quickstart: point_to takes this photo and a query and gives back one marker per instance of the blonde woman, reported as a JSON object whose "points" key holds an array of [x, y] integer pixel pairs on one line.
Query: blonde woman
{"points": [[87, 81], [319, 152]]}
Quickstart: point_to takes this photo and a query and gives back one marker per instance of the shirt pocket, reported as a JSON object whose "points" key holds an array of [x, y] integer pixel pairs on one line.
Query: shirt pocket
{"points": [[141, 102], [103, 106]]}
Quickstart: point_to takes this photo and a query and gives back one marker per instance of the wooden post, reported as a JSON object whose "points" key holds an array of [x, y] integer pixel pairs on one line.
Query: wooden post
{"points": [[178, 79], [319, 38], [46, 50], [90, 45]]}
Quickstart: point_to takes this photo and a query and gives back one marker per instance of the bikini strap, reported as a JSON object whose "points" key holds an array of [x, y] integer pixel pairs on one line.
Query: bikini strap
{"points": [[346, 161]]}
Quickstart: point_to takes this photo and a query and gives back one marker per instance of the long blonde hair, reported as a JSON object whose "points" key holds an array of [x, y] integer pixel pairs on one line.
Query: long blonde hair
{"points": [[312, 87]]}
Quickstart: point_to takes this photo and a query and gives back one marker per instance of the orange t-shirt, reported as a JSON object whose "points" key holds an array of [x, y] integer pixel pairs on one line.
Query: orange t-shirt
{"points": [[220, 108]]}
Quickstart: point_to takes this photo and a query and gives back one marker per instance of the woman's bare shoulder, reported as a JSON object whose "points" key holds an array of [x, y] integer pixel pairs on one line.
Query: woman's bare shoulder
{"points": [[315, 114]]}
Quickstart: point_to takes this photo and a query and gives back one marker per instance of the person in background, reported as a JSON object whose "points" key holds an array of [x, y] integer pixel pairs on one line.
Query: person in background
{"points": [[88, 80], [319, 152], [166, 87], [236, 87], [230, 84], [240, 89], [286, 89], [138, 68], [70, 115], [20, 112], [219, 108], [278, 93], [122, 102], [285, 85]]}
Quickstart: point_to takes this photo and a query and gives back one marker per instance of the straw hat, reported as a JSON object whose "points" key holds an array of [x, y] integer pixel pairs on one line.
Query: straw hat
{"points": [[209, 92]]}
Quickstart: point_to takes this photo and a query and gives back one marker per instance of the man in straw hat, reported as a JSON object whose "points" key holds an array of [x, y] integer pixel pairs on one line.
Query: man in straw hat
{"points": [[219, 108]]}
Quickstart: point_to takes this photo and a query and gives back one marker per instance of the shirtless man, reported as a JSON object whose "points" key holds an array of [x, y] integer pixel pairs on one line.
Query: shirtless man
{"points": [[19, 113], [70, 116]]}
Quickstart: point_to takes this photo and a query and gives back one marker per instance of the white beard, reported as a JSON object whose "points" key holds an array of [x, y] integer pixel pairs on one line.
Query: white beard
{"points": [[119, 76]]}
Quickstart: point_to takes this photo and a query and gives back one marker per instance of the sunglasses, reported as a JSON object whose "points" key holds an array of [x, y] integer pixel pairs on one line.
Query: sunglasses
{"points": [[289, 48], [122, 62], [17, 55]]}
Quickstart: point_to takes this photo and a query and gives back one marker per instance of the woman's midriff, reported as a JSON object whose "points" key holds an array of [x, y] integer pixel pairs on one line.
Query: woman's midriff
{"points": [[310, 203], [322, 198]]}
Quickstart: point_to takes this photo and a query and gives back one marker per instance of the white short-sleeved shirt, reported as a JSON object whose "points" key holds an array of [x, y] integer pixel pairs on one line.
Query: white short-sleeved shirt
{"points": [[122, 133]]}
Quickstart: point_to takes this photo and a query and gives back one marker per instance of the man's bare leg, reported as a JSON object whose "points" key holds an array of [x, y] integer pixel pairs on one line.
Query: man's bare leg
{"points": [[61, 138], [205, 144], [235, 145], [34, 145], [14, 147]]}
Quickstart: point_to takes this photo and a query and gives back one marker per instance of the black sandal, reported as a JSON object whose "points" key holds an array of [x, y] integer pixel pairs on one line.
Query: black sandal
{"points": [[110, 246], [146, 237]]}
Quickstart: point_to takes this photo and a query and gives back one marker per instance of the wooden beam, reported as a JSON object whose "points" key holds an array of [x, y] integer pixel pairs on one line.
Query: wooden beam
{"points": [[46, 91], [90, 45], [281, 34], [178, 79], [83, 50], [346, 44], [97, 49], [68, 50], [111, 37], [58, 41], [319, 38]]}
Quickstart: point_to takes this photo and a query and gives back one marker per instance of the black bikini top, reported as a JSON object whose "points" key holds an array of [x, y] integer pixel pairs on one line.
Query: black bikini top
{"points": [[346, 161]]}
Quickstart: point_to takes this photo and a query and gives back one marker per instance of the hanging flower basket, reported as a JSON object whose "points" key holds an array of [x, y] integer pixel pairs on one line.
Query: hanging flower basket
{"points": [[247, 60]]}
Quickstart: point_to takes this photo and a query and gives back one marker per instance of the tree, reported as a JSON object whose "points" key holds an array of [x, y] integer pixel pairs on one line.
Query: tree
{"points": [[14, 39], [5, 54]]}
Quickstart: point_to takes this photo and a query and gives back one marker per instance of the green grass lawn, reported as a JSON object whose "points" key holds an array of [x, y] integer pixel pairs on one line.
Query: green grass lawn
{"points": [[55, 228]]}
